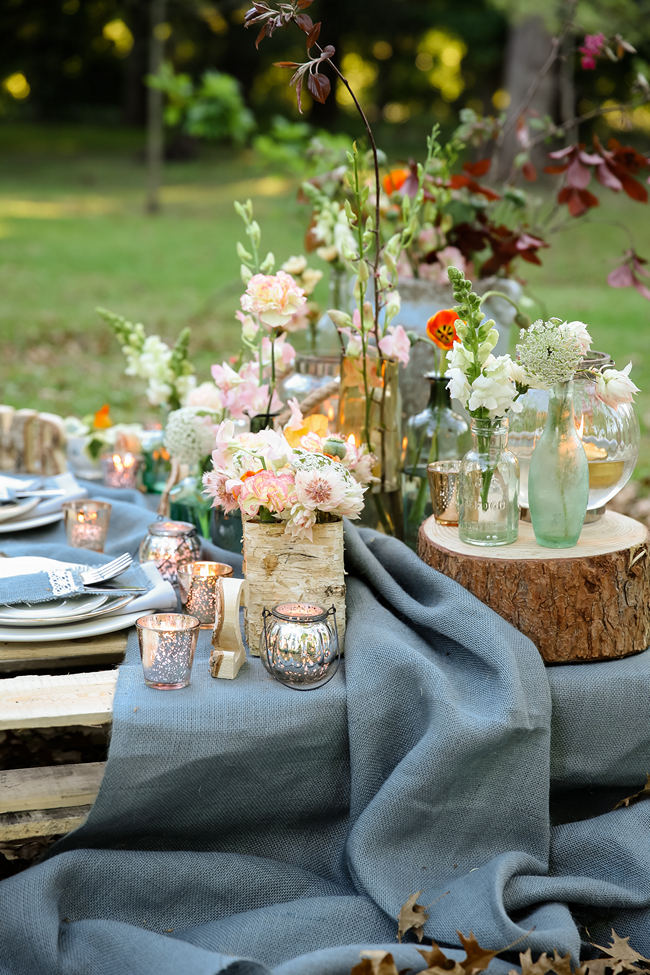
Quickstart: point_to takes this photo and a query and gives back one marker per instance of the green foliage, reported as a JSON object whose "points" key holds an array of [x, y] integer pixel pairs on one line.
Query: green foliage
{"points": [[300, 148], [213, 109]]}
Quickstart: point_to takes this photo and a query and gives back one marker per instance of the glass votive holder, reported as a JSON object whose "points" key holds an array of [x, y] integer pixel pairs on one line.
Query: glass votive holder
{"points": [[120, 470], [443, 485], [86, 523], [200, 592], [299, 644], [167, 644], [170, 545]]}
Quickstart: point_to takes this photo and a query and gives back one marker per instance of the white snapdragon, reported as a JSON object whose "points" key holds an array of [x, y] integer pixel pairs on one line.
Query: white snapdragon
{"points": [[493, 389]]}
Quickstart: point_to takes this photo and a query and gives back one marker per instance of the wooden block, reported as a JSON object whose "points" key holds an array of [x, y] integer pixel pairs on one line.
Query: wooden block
{"points": [[31, 701], [52, 787], [589, 602], [6, 446], [41, 822], [226, 663], [52, 457], [61, 653]]}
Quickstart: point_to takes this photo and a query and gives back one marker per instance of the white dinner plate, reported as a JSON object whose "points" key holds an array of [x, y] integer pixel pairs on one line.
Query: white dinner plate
{"points": [[22, 524], [18, 509], [70, 631], [56, 609], [111, 606]]}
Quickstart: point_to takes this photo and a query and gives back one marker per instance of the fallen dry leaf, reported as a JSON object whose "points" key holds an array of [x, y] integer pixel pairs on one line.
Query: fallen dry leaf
{"points": [[620, 948], [375, 963], [643, 793], [412, 917], [478, 958]]}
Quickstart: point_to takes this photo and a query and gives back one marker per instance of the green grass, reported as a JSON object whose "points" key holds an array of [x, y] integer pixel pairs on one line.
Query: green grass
{"points": [[74, 235]]}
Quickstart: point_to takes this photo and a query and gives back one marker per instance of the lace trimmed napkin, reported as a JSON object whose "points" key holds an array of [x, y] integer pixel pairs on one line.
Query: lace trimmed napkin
{"points": [[49, 580]]}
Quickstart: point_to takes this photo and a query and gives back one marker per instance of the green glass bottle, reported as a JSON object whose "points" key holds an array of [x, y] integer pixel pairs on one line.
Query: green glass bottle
{"points": [[558, 482]]}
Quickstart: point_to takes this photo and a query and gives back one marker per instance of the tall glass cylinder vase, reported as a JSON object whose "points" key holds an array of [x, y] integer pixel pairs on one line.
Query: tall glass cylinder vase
{"points": [[558, 481], [435, 433], [188, 503], [370, 411], [488, 487]]}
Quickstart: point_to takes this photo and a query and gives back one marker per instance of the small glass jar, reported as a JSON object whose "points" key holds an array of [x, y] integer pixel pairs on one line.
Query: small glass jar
{"points": [[171, 545], [435, 433], [156, 462], [188, 503], [488, 487], [299, 645]]}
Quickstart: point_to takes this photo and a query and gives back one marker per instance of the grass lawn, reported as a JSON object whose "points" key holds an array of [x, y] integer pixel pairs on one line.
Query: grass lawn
{"points": [[74, 235]]}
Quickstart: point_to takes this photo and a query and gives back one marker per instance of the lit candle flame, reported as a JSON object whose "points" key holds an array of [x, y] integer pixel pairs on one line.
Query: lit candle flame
{"points": [[123, 463]]}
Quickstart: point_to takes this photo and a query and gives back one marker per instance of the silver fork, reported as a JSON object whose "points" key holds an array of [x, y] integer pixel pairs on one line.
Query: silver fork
{"points": [[102, 573]]}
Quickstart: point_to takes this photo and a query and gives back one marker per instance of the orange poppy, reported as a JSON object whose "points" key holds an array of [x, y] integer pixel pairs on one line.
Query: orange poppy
{"points": [[442, 330], [102, 420], [395, 179]]}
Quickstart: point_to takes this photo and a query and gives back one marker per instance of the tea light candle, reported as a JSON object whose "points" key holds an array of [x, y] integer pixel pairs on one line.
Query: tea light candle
{"points": [[200, 590], [86, 523], [120, 470], [167, 645]]}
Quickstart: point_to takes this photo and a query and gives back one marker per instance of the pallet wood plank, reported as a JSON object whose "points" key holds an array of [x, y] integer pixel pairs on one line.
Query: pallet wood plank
{"points": [[51, 787], [41, 822], [98, 649], [57, 700]]}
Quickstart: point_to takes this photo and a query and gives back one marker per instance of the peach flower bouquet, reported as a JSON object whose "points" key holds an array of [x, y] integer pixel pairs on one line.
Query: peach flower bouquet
{"points": [[292, 477]]}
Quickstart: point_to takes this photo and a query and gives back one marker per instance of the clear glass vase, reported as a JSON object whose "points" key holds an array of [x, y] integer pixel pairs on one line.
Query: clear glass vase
{"points": [[488, 487], [188, 503], [312, 373], [558, 481], [435, 433], [375, 420]]}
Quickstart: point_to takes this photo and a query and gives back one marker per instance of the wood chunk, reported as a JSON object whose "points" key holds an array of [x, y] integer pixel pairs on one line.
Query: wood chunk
{"points": [[589, 602], [51, 787], [61, 653], [31, 701], [41, 822]]}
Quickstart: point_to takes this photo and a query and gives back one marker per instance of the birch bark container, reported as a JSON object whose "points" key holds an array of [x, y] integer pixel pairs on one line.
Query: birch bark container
{"points": [[279, 568]]}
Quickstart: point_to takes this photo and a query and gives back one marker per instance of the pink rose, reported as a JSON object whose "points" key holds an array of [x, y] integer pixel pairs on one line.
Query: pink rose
{"points": [[267, 490]]}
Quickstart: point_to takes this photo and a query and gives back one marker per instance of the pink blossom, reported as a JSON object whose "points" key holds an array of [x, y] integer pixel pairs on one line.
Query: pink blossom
{"points": [[283, 353], [301, 522], [214, 485], [274, 298], [296, 419], [614, 386], [267, 489], [395, 344], [321, 489], [590, 50]]}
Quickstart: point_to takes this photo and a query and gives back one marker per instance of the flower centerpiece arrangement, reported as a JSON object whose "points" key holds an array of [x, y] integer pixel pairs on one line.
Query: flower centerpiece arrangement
{"points": [[550, 354], [488, 386], [292, 501]]}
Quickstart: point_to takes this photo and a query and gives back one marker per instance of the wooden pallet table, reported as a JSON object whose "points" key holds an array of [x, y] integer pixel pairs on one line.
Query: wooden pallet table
{"points": [[103, 649], [51, 800], [590, 602]]}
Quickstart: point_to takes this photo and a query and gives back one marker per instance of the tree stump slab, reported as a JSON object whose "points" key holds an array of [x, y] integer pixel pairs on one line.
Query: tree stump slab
{"points": [[590, 602]]}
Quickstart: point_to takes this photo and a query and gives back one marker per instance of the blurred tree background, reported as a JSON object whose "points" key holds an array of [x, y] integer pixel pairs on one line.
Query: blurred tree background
{"points": [[413, 61]]}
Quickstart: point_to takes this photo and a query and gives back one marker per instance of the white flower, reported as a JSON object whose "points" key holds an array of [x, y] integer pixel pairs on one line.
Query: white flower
{"points": [[207, 395], [493, 390], [550, 352], [295, 265], [614, 386], [487, 345], [459, 357], [458, 386], [274, 298], [321, 489], [190, 434], [578, 331]]}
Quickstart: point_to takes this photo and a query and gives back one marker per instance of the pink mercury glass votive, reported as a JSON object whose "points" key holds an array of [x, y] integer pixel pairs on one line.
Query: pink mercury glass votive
{"points": [[200, 591], [86, 523], [120, 470], [167, 644]]}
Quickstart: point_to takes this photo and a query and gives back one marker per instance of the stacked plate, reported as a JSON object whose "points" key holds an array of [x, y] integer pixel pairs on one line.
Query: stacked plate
{"points": [[21, 514], [65, 619]]}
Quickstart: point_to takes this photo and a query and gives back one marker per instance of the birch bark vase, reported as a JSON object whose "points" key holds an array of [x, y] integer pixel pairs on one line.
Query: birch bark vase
{"points": [[278, 568]]}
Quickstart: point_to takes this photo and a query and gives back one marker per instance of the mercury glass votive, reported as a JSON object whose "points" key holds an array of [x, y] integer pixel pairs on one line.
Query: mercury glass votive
{"points": [[443, 485], [299, 644], [171, 545], [86, 523], [200, 591], [120, 470], [167, 644]]}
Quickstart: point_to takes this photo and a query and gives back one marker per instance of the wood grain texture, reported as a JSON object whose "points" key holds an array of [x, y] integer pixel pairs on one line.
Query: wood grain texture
{"points": [[31, 701], [51, 787], [589, 602], [60, 653], [41, 822], [279, 568]]}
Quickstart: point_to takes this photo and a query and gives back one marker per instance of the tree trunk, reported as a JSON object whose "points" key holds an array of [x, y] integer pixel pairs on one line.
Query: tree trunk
{"points": [[588, 602], [529, 46], [155, 131]]}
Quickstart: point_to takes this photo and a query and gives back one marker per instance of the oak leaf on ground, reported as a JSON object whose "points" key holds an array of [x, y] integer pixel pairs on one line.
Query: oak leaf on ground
{"points": [[643, 793], [412, 917]]}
